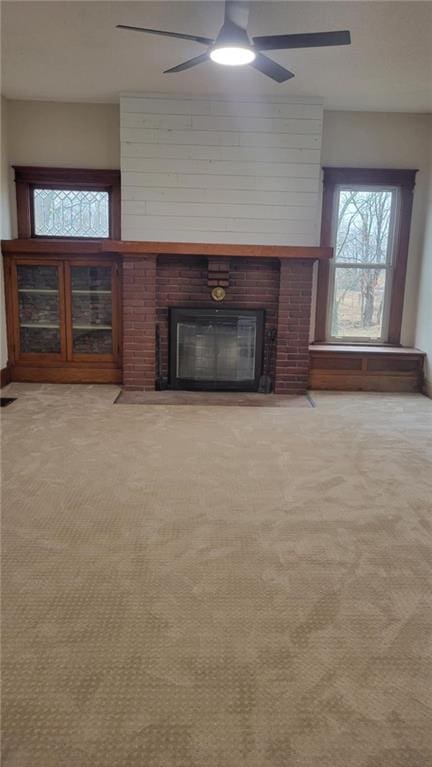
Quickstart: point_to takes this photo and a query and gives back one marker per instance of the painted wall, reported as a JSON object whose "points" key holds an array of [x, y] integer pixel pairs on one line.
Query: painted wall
{"points": [[62, 135], [244, 171], [375, 139], [424, 313]]}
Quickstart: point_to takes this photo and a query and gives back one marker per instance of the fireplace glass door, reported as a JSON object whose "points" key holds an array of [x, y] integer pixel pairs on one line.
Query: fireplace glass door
{"points": [[217, 349]]}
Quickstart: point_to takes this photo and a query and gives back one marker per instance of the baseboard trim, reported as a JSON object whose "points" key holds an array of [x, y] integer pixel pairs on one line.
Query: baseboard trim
{"points": [[5, 376]]}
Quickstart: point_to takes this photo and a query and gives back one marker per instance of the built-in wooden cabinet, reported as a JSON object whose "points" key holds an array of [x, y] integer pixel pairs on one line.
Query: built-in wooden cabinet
{"points": [[64, 318]]}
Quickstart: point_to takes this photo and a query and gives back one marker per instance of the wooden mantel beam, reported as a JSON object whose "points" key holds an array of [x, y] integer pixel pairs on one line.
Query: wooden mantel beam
{"points": [[40, 246]]}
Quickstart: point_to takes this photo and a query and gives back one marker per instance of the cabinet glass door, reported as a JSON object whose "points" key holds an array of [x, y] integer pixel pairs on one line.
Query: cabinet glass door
{"points": [[92, 314], [39, 309]]}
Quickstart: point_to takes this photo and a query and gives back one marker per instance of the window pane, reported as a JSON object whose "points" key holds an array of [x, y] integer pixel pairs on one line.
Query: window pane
{"points": [[363, 226], [91, 309], [69, 213], [38, 302], [358, 303]]}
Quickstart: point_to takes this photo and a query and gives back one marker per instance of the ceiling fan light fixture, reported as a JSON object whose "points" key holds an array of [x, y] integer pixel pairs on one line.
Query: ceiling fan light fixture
{"points": [[233, 47], [232, 56]]}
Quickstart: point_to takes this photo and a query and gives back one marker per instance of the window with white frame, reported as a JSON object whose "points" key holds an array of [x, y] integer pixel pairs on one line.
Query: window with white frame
{"points": [[360, 282]]}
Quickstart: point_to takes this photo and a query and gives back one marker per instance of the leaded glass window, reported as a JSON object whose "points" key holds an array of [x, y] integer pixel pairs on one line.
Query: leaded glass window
{"points": [[71, 213]]}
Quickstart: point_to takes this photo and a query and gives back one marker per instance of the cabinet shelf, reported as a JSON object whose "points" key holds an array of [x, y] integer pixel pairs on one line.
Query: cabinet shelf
{"points": [[91, 327], [37, 325], [37, 290], [89, 292]]}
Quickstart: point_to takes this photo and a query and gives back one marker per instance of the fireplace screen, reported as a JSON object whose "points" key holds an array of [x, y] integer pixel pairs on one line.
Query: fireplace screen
{"points": [[216, 349]]}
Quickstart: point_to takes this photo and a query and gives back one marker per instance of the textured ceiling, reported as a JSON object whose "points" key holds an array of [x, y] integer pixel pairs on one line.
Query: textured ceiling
{"points": [[72, 51]]}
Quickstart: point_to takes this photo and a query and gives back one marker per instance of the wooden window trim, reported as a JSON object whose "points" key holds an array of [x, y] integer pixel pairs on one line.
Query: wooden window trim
{"points": [[29, 177], [405, 181]]}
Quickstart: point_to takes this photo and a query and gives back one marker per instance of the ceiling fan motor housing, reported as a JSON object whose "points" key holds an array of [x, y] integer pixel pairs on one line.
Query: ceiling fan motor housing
{"points": [[232, 36]]}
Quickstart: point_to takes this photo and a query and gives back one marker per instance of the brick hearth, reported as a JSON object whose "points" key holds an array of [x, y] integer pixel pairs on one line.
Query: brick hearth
{"points": [[153, 284]]}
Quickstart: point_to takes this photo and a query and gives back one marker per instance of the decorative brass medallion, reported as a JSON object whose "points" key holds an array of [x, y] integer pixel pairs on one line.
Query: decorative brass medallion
{"points": [[218, 294]]}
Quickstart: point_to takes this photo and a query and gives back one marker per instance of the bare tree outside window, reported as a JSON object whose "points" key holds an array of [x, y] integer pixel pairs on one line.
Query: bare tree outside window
{"points": [[362, 263]]}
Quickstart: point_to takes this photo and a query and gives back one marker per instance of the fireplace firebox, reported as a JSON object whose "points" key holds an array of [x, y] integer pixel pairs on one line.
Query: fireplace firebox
{"points": [[216, 349]]}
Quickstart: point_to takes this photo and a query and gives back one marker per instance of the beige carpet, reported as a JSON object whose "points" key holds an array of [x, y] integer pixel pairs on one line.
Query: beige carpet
{"points": [[216, 587]]}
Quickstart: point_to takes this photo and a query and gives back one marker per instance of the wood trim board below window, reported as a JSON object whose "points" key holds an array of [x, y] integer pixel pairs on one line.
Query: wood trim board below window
{"points": [[364, 368]]}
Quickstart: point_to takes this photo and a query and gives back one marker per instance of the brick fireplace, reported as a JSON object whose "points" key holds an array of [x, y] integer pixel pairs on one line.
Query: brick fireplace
{"points": [[154, 284]]}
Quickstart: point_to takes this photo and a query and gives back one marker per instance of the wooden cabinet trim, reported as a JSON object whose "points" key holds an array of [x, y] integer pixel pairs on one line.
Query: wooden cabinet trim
{"points": [[115, 310], [65, 359], [12, 312]]}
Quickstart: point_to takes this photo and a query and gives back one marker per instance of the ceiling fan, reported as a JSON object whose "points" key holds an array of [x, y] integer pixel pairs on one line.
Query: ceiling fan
{"points": [[234, 47]]}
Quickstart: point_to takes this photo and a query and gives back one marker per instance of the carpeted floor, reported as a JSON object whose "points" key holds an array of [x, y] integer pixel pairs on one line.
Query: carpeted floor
{"points": [[216, 587]]}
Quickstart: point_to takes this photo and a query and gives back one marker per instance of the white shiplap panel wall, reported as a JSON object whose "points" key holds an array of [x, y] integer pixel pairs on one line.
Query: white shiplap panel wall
{"points": [[200, 170]]}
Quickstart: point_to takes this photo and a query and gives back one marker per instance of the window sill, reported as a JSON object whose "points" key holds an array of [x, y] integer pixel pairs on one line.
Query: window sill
{"points": [[335, 348]]}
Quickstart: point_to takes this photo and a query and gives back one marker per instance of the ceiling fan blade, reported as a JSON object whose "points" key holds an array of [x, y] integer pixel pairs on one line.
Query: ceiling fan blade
{"points": [[308, 40], [271, 69], [188, 64], [237, 12], [179, 35]]}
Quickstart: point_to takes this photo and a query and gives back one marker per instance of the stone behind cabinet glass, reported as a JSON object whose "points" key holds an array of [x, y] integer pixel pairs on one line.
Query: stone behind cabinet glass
{"points": [[91, 309], [38, 300]]}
